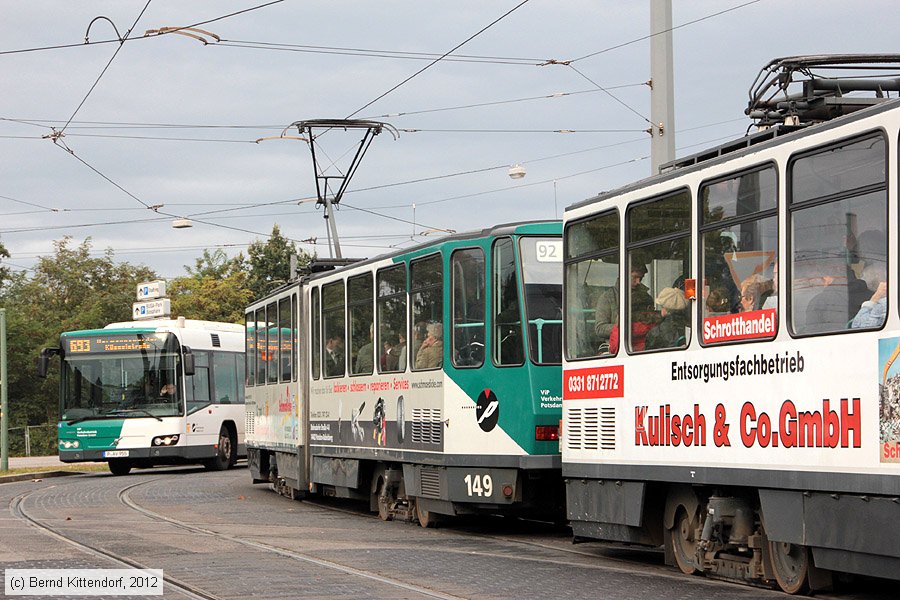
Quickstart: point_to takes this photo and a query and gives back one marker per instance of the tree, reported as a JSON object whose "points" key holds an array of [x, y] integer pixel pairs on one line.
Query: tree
{"points": [[214, 290], [270, 262], [4, 272], [69, 290]]}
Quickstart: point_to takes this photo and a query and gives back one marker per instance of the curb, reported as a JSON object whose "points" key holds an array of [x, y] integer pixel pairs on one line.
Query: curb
{"points": [[36, 476]]}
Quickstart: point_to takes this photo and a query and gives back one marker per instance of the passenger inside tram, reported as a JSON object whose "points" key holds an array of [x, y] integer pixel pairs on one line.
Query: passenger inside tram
{"points": [[872, 312], [670, 332]]}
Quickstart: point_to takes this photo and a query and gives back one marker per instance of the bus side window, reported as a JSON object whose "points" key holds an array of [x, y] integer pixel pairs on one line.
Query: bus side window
{"points": [[225, 378], [197, 388]]}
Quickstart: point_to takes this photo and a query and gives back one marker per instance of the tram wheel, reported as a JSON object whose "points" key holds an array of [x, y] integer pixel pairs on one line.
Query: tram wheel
{"points": [[384, 501], [225, 453], [426, 518], [790, 564], [119, 466], [684, 542]]}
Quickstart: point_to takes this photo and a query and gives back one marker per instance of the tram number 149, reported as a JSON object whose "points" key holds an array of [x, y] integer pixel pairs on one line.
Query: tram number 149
{"points": [[479, 485]]}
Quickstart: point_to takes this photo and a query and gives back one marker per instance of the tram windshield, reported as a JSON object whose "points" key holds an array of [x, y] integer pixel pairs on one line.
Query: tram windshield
{"points": [[120, 376], [542, 275]]}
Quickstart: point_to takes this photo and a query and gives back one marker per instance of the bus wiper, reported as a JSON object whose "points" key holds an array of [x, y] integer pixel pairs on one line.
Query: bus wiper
{"points": [[80, 419], [135, 410]]}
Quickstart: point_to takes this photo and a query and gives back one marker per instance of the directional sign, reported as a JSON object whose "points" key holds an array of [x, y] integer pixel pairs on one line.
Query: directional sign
{"points": [[150, 290], [153, 309]]}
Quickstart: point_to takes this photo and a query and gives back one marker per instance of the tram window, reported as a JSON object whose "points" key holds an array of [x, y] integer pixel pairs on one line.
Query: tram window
{"points": [[507, 343], [333, 325], [839, 238], [392, 347], [295, 329], [362, 325], [658, 255], [315, 334], [286, 338], [592, 286], [225, 378], [427, 296], [250, 348], [739, 231], [261, 345], [541, 259], [467, 267], [273, 352]]}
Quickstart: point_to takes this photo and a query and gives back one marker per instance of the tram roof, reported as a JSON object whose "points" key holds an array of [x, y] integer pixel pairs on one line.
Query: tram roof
{"points": [[537, 227], [772, 137]]}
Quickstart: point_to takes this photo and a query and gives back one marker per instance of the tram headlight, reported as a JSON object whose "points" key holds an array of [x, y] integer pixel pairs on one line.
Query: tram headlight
{"points": [[166, 440], [68, 444]]}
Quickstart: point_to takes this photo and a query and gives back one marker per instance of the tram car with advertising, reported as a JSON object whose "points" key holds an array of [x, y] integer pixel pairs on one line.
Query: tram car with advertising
{"points": [[152, 392], [426, 381], [731, 390]]}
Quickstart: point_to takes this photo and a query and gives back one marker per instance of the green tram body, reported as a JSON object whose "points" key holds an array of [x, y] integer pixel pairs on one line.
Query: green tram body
{"points": [[479, 432]]}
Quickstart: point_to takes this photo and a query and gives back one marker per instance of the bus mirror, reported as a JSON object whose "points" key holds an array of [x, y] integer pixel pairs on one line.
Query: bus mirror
{"points": [[43, 365], [188, 361]]}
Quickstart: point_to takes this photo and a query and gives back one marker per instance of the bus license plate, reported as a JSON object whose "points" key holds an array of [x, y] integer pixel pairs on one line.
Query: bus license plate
{"points": [[115, 453]]}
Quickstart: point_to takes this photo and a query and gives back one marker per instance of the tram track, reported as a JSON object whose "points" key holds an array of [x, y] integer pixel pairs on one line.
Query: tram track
{"points": [[17, 510]]}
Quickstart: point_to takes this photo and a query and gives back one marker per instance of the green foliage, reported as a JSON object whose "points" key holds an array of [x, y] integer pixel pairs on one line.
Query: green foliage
{"points": [[4, 272], [214, 290], [270, 263], [69, 290]]}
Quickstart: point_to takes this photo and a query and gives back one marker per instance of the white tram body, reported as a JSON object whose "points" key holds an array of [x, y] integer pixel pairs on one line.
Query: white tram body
{"points": [[761, 443]]}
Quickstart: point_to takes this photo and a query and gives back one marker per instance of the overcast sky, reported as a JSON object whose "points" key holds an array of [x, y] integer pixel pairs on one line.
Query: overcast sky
{"points": [[173, 122]]}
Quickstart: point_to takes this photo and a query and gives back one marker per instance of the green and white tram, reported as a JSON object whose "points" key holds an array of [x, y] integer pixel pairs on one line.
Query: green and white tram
{"points": [[144, 393], [426, 381], [737, 401]]}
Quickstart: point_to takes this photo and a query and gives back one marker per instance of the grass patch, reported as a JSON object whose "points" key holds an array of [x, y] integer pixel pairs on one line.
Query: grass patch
{"points": [[91, 467]]}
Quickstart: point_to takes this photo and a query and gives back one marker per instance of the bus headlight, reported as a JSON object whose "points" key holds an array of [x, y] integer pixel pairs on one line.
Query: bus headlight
{"points": [[68, 444], [166, 440]]}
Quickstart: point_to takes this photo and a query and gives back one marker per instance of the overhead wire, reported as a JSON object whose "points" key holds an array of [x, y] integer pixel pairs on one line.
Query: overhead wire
{"points": [[648, 36], [437, 60], [112, 58]]}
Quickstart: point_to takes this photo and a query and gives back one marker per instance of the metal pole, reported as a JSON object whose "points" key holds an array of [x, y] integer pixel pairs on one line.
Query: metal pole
{"points": [[662, 86], [329, 214], [27, 441], [4, 400]]}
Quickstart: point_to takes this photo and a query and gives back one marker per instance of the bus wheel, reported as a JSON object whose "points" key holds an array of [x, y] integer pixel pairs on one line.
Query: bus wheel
{"points": [[684, 542], [790, 564], [119, 466], [426, 518], [225, 453]]}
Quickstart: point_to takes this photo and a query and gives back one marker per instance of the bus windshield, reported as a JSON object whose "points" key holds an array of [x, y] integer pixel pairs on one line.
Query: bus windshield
{"points": [[542, 275], [129, 375]]}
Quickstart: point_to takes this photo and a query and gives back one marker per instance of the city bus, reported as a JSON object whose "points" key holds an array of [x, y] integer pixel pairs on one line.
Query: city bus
{"points": [[426, 382], [144, 393], [730, 386]]}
